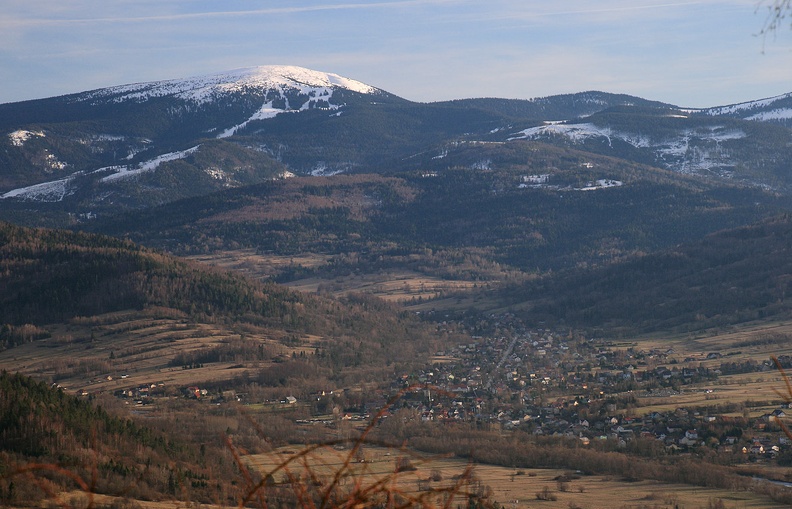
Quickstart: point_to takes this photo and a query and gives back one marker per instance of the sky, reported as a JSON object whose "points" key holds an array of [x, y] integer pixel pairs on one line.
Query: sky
{"points": [[689, 53]]}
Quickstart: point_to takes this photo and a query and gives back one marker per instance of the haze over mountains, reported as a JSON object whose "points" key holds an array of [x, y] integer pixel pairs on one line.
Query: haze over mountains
{"points": [[476, 191], [95, 151]]}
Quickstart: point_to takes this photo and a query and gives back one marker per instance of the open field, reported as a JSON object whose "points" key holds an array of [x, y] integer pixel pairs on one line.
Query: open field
{"points": [[128, 349], [250, 263], [78, 499], [754, 339], [750, 388], [749, 342], [510, 487], [398, 285]]}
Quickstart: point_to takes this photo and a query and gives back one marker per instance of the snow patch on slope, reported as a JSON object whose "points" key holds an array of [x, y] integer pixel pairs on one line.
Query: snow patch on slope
{"points": [[692, 151], [47, 192], [576, 133], [317, 98], [57, 190], [321, 169], [150, 165], [543, 182], [53, 163], [743, 107], [20, 136], [777, 114], [601, 184], [265, 112]]}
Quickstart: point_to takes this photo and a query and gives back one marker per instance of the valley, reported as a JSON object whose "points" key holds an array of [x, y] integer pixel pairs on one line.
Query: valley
{"points": [[577, 301], [642, 395]]}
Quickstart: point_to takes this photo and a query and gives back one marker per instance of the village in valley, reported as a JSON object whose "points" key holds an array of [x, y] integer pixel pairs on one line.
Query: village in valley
{"points": [[559, 384]]}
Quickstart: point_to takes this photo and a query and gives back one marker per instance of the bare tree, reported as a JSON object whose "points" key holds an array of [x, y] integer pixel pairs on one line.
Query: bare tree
{"points": [[778, 11]]}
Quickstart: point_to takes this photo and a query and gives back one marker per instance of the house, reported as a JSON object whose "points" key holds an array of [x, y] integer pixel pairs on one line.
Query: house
{"points": [[691, 438]]}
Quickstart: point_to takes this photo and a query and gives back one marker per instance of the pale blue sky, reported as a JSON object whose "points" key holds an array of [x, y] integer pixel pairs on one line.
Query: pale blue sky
{"points": [[689, 53]]}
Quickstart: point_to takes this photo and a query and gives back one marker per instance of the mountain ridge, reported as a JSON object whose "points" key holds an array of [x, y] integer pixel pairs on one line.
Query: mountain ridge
{"points": [[144, 144]]}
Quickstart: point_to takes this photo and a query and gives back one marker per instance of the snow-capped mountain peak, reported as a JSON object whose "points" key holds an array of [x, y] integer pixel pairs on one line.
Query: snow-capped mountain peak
{"points": [[200, 89]]}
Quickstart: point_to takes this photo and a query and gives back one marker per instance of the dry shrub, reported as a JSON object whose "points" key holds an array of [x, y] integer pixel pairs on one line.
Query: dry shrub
{"points": [[350, 487], [716, 504], [302, 481], [405, 465], [546, 495]]}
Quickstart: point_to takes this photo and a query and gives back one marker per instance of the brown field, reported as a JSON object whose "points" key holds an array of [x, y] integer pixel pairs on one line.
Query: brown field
{"points": [[754, 341], [78, 499], [392, 285], [128, 349], [741, 388], [252, 264], [728, 341], [510, 487]]}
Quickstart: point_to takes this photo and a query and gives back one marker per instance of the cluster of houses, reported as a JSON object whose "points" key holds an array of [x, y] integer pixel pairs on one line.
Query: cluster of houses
{"points": [[141, 394], [562, 384], [532, 380]]}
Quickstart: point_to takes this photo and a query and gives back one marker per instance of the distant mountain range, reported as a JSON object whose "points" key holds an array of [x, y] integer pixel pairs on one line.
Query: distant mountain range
{"points": [[559, 208], [67, 159]]}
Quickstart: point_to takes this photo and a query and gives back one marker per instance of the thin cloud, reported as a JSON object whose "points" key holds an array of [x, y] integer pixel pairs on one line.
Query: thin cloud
{"points": [[421, 49], [505, 9], [223, 14]]}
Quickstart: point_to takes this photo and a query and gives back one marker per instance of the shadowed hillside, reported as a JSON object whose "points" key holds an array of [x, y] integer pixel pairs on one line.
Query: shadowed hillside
{"points": [[728, 277]]}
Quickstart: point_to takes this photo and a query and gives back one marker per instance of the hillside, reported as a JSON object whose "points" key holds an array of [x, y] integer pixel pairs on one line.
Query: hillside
{"points": [[557, 107], [69, 443], [728, 277], [475, 213], [102, 305], [711, 146], [52, 275]]}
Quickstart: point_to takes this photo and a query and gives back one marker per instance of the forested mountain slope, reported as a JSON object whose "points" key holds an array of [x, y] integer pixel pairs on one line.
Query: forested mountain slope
{"points": [[729, 277], [53, 276], [51, 442], [528, 206]]}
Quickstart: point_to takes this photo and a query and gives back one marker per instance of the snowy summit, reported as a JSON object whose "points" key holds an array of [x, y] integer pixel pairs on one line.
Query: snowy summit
{"points": [[200, 89], [281, 88]]}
